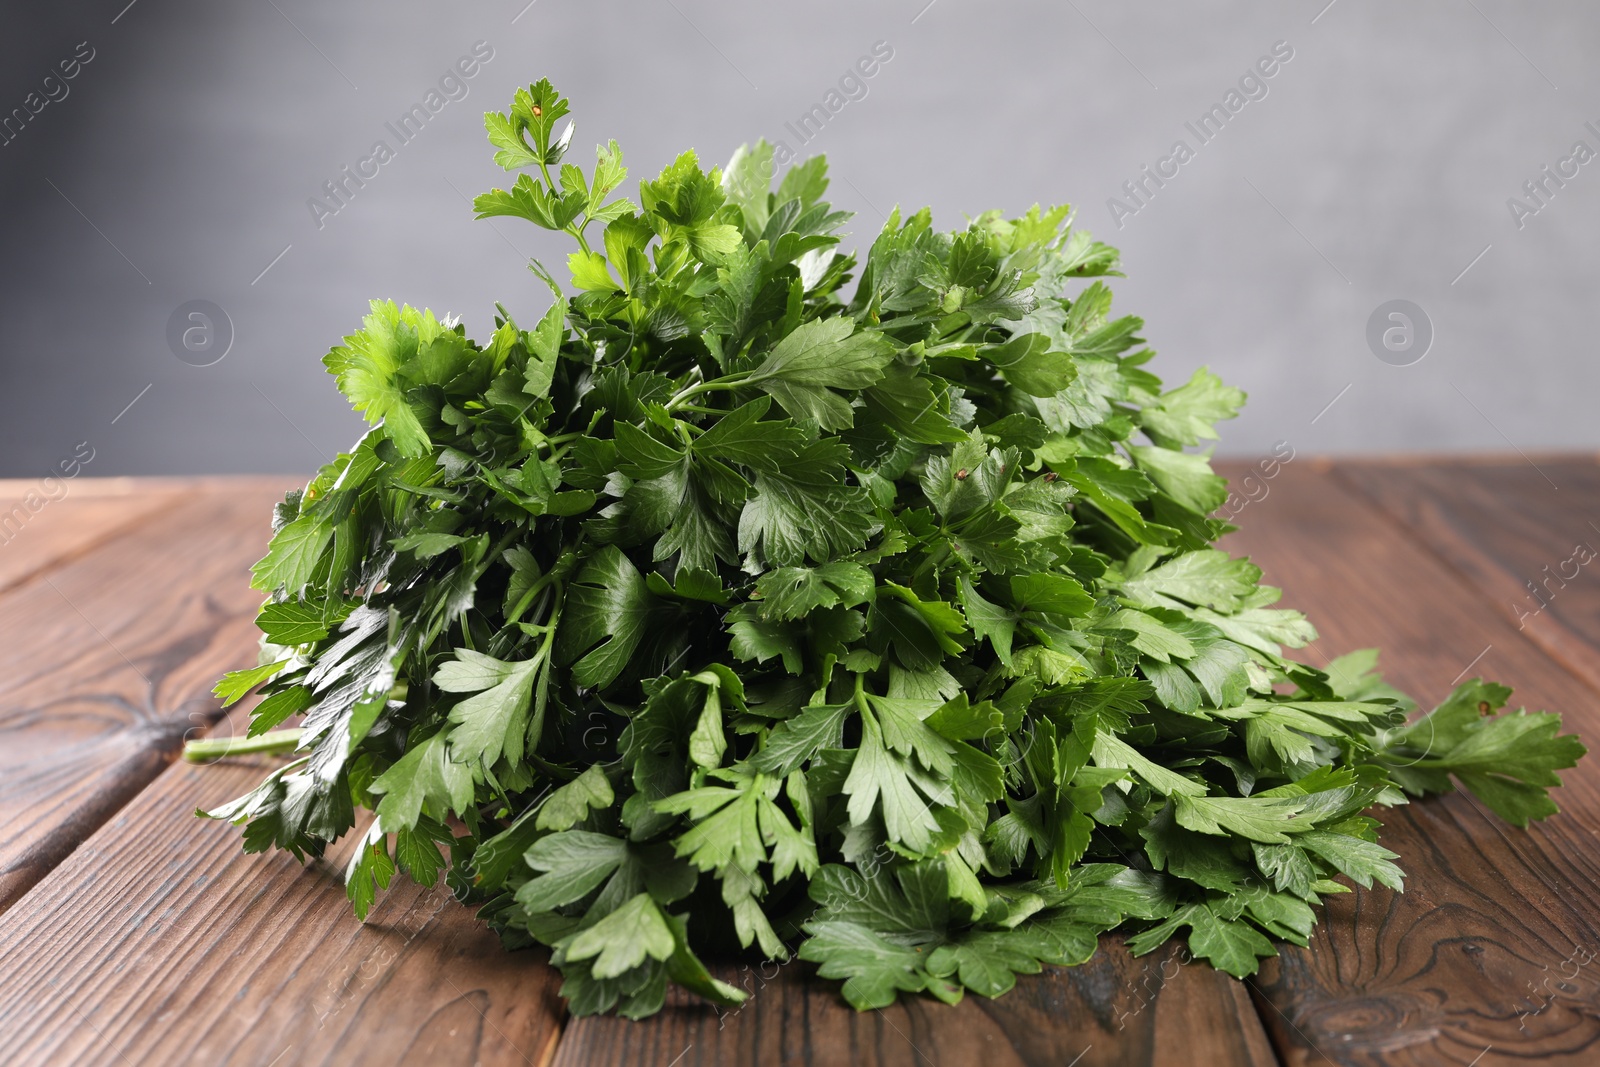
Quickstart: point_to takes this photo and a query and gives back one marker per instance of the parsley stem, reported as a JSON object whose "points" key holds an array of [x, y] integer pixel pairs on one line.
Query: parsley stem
{"points": [[729, 381], [527, 598], [541, 696], [274, 742], [561, 439], [575, 231], [933, 560]]}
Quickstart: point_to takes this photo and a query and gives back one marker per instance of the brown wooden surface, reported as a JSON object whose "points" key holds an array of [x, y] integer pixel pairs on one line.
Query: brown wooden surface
{"points": [[1513, 529], [37, 532], [1112, 1010], [159, 942], [107, 658], [149, 938], [1440, 973]]}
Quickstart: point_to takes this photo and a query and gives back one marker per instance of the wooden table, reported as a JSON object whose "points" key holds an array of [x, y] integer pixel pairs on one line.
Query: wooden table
{"points": [[134, 933]]}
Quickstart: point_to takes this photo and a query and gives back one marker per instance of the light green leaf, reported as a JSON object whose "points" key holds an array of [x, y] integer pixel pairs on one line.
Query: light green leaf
{"points": [[1185, 478], [819, 356], [1189, 413], [368, 367], [988, 620], [1206, 578], [236, 684], [575, 863], [590, 271], [794, 741], [495, 719], [1266, 819], [1362, 861], [1110, 751], [1027, 362], [292, 556], [426, 776], [569, 805], [1150, 636]]}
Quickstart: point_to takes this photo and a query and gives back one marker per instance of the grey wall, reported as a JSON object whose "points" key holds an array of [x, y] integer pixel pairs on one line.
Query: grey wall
{"points": [[1378, 166]]}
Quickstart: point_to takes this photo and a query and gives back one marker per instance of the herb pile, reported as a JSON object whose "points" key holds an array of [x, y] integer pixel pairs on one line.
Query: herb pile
{"points": [[727, 607]]}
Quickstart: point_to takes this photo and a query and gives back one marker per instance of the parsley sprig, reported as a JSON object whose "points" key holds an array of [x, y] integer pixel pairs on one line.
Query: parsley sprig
{"points": [[728, 607]]}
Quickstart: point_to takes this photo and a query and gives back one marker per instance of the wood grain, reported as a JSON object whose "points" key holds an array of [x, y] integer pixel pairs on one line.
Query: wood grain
{"points": [[107, 659], [37, 532], [159, 941], [1112, 1010], [156, 940], [1514, 530], [1448, 971]]}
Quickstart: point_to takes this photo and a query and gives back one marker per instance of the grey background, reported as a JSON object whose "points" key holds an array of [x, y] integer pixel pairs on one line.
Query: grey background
{"points": [[1377, 167]]}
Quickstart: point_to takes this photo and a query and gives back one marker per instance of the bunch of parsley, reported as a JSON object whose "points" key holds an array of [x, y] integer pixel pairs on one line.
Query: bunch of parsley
{"points": [[724, 608]]}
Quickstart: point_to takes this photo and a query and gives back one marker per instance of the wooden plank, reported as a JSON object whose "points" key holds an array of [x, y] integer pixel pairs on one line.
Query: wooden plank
{"points": [[1454, 970], [159, 941], [1111, 1010], [1528, 537], [123, 487], [37, 532], [107, 660]]}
